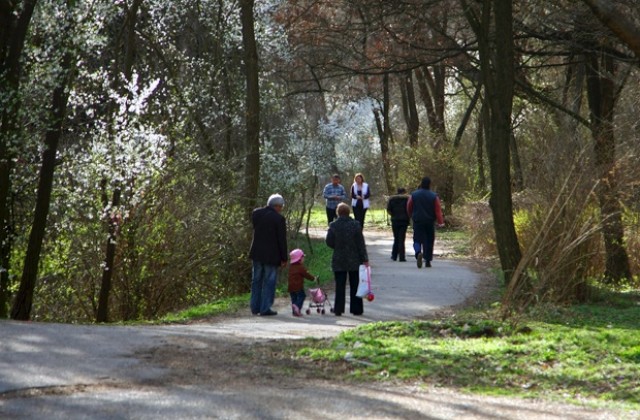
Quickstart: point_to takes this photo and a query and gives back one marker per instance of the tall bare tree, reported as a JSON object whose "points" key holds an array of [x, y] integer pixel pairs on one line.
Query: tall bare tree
{"points": [[252, 101], [601, 93], [492, 23]]}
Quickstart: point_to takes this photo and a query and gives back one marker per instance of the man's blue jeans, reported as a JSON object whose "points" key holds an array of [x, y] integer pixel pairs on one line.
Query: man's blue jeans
{"points": [[263, 287]]}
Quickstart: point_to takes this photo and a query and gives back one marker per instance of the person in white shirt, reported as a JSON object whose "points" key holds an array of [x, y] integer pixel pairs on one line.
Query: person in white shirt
{"points": [[360, 194]]}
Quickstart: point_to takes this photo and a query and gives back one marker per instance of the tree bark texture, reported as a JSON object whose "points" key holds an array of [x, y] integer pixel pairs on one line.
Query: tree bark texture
{"points": [[600, 93], [431, 85], [22, 304], [410, 109], [14, 25], [493, 26], [617, 21], [384, 134], [252, 162]]}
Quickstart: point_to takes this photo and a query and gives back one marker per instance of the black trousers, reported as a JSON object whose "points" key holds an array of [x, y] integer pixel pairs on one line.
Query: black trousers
{"points": [[399, 235], [331, 215], [359, 212], [356, 306]]}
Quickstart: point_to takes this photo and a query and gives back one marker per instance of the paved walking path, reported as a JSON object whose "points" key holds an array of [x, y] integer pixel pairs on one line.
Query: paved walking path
{"points": [[44, 354], [402, 291], [102, 373]]}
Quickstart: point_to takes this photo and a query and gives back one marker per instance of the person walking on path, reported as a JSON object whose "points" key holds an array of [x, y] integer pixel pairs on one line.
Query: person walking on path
{"points": [[349, 251], [397, 209], [268, 252], [360, 194], [297, 273], [334, 193], [424, 207]]}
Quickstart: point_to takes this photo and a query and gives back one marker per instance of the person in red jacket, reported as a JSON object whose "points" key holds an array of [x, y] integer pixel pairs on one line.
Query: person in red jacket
{"points": [[425, 210], [297, 273]]}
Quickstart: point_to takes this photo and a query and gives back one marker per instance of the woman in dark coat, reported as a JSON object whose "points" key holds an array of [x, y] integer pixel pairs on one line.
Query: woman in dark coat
{"points": [[349, 251]]}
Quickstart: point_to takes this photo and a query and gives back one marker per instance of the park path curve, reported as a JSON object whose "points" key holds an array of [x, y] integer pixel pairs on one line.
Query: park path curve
{"points": [[98, 372], [36, 354]]}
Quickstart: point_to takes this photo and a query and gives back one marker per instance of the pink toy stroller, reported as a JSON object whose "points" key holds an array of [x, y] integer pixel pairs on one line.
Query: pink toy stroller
{"points": [[317, 299]]}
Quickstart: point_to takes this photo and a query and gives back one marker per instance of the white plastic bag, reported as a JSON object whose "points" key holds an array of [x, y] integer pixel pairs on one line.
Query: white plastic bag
{"points": [[364, 284]]}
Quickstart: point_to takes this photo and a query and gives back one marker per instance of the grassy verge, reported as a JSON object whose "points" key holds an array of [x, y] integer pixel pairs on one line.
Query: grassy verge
{"points": [[572, 353], [317, 260]]}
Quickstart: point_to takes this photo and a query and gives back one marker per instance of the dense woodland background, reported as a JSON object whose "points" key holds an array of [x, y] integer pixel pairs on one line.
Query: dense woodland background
{"points": [[137, 135]]}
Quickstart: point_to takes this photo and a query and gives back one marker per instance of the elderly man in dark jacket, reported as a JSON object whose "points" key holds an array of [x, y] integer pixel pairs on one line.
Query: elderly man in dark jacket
{"points": [[268, 252], [349, 251]]}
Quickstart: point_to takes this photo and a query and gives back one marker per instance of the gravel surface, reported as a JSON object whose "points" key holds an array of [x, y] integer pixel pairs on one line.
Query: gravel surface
{"points": [[235, 367]]}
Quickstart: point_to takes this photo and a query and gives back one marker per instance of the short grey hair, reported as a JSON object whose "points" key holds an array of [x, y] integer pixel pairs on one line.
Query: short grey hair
{"points": [[275, 200]]}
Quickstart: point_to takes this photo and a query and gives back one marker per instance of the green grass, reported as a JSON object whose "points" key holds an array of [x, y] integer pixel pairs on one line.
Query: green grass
{"points": [[317, 260], [569, 353], [220, 307], [588, 351], [375, 218]]}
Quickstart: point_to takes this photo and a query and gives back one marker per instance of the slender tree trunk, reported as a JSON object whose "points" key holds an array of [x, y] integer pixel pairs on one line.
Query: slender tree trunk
{"points": [[102, 314], [14, 25], [494, 29], [113, 221], [518, 174], [410, 110], [481, 134], [252, 162], [600, 93], [382, 125], [431, 85], [21, 309]]}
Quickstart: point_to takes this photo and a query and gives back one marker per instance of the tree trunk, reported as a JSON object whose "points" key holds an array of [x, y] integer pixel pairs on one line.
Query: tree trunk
{"points": [[21, 309], [384, 133], [432, 93], [410, 110], [496, 66], [600, 93], [102, 314], [618, 22], [518, 174], [481, 134], [14, 26], [113, 220], [252, 163]]}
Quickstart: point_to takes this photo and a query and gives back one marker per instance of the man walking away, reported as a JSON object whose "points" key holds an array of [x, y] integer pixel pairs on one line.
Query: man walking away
{"points": [[397, 209], [268, 252], [425, 210], [334, 193]]}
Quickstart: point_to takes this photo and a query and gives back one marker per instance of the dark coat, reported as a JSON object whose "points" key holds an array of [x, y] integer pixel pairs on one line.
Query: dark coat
{"points": [[397, 208], [346, 239], [269, 244]]}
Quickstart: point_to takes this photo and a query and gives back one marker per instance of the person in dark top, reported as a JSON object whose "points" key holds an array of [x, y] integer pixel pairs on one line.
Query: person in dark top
{"points": [[397, 209], [424, 208], [268, 252], [349, 251]]}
